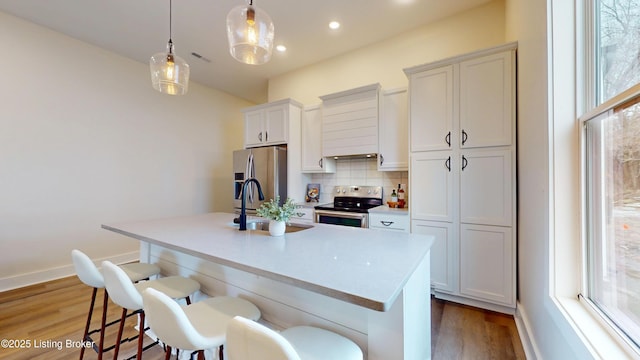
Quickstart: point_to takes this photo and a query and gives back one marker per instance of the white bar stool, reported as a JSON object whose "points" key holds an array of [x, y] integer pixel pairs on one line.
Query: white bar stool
{"points": [[128, 295], [248, 339], [200, 326], [90, 275]]}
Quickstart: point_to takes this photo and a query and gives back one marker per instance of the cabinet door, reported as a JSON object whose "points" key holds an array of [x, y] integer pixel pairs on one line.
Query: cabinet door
{"points": [[486, 187], [486, 263], [253, 128], [393, 128], [432, 185], [444, 253], [486, 101], [431, 110], [276, 125], [312, 160]]}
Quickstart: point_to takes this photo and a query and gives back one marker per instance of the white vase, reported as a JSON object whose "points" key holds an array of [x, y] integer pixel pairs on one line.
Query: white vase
{"points": [[276, 227]]}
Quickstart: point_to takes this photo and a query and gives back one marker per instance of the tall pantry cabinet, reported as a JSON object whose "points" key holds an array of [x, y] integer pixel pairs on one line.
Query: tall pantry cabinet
{"points": [[463, 174]]}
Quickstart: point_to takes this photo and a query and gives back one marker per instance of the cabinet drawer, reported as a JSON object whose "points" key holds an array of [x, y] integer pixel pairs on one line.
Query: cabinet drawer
{"points": [[302, 214], [389, 222]]}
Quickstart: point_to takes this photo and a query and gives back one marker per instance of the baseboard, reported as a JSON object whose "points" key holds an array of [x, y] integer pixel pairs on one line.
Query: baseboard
{"points": [[475, 303], [524, 329], [44, 275]]}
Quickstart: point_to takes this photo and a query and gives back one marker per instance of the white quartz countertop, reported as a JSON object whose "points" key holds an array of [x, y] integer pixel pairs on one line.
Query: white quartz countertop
{"points": [[365, 267], [385, 209]]}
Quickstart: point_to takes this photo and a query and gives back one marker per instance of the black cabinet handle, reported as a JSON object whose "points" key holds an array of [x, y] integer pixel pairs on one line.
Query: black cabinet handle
{"points": [[300, 214], [465, 136], [260, 136], [381, 159], [320, 163], [266, 138], [447, 163], [465, 162], [386, 223], [447, 138]]}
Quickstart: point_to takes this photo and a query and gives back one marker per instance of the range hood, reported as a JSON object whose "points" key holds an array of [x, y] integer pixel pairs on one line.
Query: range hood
{"points": [[350, 123]]}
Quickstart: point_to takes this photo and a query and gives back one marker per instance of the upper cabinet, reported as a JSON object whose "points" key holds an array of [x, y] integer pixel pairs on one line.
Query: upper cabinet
{"points": [[350, 122], [393, 128], [486, 101], [312, 159], [466, 104], [268, 124], [431, 109]]}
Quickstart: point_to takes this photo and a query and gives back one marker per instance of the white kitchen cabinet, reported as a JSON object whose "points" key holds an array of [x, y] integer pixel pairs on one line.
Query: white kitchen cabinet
{"points": [[312, 159], [486, 100], [303, 214], [486, 187], [393, 127], [389, 221], [350, 122], [462, 174], [444, 251], [268, 124], [467, 101], [431, 109], [433, 183], [487, 257]]}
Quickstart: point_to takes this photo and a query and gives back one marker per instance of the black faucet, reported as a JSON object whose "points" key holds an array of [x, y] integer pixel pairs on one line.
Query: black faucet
{"points": [[243, 210]]}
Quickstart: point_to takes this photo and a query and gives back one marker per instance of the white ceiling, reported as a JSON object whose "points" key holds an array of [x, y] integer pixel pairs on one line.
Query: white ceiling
{"points": [[138, 29]]}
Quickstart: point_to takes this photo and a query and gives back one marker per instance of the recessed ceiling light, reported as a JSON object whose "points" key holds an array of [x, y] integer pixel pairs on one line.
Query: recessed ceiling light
{"points": [[334, 25], [281, 48]]}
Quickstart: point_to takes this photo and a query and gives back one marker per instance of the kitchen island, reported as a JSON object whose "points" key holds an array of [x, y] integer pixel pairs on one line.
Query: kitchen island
{"points": [[371, 286]]}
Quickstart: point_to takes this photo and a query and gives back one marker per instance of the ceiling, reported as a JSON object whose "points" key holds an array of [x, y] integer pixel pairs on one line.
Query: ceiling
{"points": [[138, 29]]}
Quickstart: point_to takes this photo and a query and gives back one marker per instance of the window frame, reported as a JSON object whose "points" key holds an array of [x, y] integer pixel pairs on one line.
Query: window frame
{"points": [[606, 109]]}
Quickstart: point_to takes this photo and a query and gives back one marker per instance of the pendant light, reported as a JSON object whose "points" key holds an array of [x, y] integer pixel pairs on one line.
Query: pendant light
{"points": [[169, 72], [250, 33]]}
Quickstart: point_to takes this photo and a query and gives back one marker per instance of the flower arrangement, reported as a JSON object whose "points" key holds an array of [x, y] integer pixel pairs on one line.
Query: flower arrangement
{"points": [[272, 211]]}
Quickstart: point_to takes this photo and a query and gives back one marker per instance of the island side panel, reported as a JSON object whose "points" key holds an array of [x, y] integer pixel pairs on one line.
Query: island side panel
{"points": [[406, 327], [282, 305]]}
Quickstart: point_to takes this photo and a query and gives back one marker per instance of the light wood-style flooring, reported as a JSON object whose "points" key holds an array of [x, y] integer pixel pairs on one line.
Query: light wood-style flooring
{"points": [[44, 317]]}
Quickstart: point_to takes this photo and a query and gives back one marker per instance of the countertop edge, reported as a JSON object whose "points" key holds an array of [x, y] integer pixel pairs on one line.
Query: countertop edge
{"points": [[340, 295]]}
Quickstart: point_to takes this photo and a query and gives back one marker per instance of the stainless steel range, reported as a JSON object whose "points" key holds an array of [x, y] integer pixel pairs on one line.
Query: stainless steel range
{"points": [[350, 206]]}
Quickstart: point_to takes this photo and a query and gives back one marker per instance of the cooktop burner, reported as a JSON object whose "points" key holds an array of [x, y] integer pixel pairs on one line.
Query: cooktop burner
{"points": [[354, 199]]}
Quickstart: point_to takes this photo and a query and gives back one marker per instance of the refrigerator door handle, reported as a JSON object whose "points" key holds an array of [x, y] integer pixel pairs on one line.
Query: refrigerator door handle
{"points": [[248, 174]]}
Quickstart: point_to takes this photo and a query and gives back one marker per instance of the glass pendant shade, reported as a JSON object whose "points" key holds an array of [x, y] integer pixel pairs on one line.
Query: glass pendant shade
{"points": [[250, 32], [169, 72]]}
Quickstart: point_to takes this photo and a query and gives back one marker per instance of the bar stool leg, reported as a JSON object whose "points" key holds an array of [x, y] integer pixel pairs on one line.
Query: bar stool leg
{"points": [[105, 302], [120, 329], [86, 328], [140, 336]]}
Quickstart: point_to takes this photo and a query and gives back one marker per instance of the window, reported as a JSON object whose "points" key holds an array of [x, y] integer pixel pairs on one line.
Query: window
{"points": [[612, 168], [617, 46]]}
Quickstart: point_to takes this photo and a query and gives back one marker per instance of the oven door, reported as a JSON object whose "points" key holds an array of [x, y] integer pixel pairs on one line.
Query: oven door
{"points": [[342, 218]]}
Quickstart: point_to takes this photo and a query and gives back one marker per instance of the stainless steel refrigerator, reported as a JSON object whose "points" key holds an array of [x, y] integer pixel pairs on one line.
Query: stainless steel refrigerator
{"points": [[269, 166]]}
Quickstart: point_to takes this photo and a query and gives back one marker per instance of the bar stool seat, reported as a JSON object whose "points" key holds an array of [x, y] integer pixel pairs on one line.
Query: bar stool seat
{"points": [[248, 339], [91, 276], [199, 326], [128, 295]]}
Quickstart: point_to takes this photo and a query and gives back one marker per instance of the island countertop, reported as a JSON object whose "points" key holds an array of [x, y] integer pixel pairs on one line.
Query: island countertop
{"points": [[365, 267]]}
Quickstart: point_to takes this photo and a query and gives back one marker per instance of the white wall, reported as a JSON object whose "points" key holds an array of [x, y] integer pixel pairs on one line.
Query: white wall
{"points": [[547, 334], [383, 62], [85, 140]]}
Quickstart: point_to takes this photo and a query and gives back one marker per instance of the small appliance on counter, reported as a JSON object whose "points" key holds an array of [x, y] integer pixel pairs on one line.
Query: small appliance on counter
{"points": [[269, 166]]}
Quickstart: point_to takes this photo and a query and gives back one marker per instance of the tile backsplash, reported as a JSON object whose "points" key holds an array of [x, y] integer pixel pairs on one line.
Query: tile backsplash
{"points": [[359, 172]]}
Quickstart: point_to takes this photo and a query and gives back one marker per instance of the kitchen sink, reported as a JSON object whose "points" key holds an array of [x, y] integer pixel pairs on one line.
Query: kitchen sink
{"points": [[264, 226]]}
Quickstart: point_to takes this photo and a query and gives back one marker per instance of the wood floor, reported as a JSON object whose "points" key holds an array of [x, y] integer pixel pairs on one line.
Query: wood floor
{"points": [[45, 319]]}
